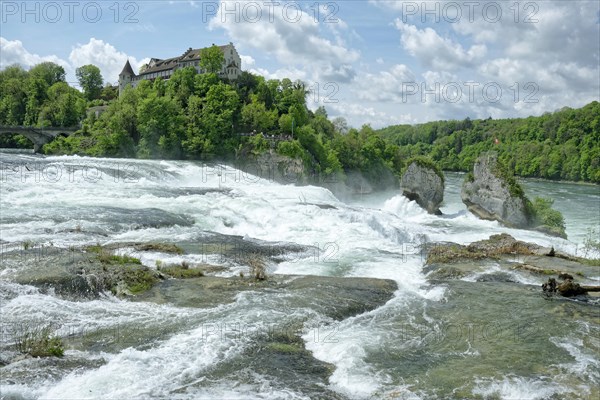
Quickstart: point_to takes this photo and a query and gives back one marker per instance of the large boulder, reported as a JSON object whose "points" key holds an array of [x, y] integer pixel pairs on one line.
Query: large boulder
{"points": [[423, 182], [491, 193]]}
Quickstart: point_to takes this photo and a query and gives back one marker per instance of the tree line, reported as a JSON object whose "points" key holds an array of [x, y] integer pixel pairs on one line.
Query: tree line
{"points": [[198, 116], [563, 145]]}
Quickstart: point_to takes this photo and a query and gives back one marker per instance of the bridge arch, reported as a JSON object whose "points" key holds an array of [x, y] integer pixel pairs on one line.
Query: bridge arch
{"points": [[38, 136]]}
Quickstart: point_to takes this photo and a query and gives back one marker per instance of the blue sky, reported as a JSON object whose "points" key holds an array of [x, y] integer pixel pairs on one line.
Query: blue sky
{"points": [[378, 62]]}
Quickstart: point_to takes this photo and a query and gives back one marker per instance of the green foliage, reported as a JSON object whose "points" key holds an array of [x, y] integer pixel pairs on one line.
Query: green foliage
{"points": [[138, 279], [255, 116], [49, 72], [39, 342], [367, 153], [38, 97], [212, 59], [547, 217], [65, 106], [109, 92], [90, 80], [196, 116], [105, 256], [291, 149], [502, 171], [560, 145], [591, 242], [181, 271], [160, 123], [259, 144]]}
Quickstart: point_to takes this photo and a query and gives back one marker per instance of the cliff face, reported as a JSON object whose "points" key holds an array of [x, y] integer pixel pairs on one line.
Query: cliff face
{"points": [[274, 167], [491, 196], [423, 185]]}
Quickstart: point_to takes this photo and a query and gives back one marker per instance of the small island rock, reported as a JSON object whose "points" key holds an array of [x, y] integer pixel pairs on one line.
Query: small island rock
{"points": [[491, 195], [424, 183]]}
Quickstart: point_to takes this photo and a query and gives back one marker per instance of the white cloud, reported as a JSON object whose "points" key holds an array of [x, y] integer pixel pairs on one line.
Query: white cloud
{"points": [[359, 114], [387, 85], [435, 51], [13, 52], [105, 56], [192, 3], [281, 73], [292, 36], [247, 61], [97, 52]]}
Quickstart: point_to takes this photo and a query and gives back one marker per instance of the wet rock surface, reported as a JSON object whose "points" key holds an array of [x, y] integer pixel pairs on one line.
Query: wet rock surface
{"points": [[278, 353], [489, 195], [423, 185], [502, 258], [77, 273]]}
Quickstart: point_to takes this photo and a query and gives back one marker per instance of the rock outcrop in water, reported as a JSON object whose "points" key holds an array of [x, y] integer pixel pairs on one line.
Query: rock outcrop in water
{"points": [[491, 193], [424, 183], [501, 257], [495, 246], [273, 167]]}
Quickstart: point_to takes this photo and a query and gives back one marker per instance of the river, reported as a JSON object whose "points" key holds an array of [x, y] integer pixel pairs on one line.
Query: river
{"points": [[464, 339]]}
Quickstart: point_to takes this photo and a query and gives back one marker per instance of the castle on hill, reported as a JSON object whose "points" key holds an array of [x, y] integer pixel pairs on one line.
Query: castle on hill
{"points": [[158, 68]]}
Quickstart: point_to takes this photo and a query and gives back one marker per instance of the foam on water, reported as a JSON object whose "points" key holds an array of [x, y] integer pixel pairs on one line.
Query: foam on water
{"points": [[378, 238], [176, 362], [518, 388]]}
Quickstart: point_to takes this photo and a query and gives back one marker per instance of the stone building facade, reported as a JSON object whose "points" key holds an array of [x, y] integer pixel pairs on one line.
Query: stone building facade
{"points": [[232, 67]]}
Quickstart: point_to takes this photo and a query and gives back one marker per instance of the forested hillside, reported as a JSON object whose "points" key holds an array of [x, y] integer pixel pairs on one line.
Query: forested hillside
{"points": [[560, 145], [194, 116], [200, 116]]}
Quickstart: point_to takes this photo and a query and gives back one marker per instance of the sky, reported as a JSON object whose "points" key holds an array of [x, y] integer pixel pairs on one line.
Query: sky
{"points": [[374, 62]]}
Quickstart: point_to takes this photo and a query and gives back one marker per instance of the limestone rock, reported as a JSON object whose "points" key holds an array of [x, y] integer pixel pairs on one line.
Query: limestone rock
{"points": [[424, 185], [273, 167], [490, 195]]}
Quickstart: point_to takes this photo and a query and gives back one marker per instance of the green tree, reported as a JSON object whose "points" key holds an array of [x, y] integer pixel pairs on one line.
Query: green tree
{"points": [[220, 112], [196, 143], [36, 96], [65, 106], [109, 92], [212, 59], [161, 128], [256, 116], [181, 85], [49, 72], [13, 96], [90, 80]]}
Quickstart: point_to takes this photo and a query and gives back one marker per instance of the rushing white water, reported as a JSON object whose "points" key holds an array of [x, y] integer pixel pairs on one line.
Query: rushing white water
{"points": [[74, 201]]}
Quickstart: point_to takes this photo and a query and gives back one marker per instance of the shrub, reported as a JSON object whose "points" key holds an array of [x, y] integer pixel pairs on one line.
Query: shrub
{"points": [[259, 144], [39, 342], [181, 272], [291, 149], [258, 267], [591, 242], [503, 172], [545, 215]]}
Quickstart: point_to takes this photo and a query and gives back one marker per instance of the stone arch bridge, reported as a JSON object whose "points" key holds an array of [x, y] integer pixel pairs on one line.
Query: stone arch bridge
{"points": [[38, 136]]}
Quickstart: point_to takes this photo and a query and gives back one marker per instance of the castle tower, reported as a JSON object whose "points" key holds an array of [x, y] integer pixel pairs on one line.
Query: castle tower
{"points": [[125, 77]]}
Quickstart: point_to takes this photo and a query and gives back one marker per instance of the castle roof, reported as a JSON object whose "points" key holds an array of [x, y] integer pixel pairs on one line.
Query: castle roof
{"points": [[127, 70], [158, 65]]}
